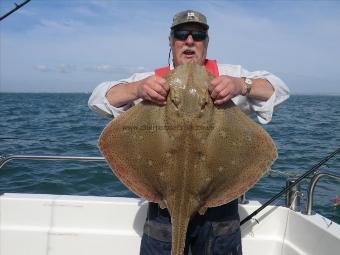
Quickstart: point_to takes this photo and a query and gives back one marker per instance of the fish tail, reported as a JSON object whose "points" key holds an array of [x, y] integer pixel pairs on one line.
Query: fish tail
{"points": [[181, 211], [179, 230]]}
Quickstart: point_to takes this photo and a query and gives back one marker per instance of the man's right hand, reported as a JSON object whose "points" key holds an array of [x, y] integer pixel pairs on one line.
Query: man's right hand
{"points": [[154, 89]]}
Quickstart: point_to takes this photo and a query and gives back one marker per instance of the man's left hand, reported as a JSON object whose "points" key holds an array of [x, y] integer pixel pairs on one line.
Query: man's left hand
{"points": [[224, 88]]}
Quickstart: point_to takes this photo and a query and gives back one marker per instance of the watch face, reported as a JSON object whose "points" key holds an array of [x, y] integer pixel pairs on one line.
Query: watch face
{"points": [[248, 81]]}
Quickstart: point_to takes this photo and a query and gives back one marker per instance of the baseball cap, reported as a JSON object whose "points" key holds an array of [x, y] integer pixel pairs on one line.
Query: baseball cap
{"points": [[189, 16]]}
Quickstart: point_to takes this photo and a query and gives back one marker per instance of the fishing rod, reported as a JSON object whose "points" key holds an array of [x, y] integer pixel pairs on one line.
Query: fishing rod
{"points": [[298, 180], [17, 7]]}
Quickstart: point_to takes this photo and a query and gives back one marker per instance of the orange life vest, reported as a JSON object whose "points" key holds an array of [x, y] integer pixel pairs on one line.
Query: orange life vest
{"points": [[210, 66]]}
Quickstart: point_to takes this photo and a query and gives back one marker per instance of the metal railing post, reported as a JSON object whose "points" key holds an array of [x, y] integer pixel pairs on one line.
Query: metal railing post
{"points": [[293, 195], [311, 187]]}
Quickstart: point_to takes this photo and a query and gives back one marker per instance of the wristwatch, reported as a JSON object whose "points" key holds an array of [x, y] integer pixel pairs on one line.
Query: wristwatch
{"points": [[248, 85]]}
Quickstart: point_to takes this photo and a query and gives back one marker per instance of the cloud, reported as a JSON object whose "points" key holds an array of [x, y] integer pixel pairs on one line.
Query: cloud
{"points": [[42, 68], [27, 12], [101, 68], [61, 68], [83, 10], [104, 68], [140, 69], [66, 68], [284, 38], [62, 26], [101, 3], [50, 24]]}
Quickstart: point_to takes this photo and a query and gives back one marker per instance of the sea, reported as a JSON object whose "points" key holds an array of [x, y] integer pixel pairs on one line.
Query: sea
{"points": [[304, 128]]}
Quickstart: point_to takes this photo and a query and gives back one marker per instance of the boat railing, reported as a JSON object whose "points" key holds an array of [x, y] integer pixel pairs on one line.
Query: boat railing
{"points": [[311, 187], [6, 158], [292, 193]]}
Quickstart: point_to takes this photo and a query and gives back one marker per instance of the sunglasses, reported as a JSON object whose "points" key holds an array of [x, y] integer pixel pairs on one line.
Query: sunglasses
{"points": [[196, 35]]}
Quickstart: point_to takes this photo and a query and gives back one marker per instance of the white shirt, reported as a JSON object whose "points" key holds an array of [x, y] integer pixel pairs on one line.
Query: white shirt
{"points": [[263, 109]]}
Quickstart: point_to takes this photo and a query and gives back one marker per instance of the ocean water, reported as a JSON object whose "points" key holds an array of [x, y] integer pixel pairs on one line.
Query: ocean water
{"points": [[304, 128]]}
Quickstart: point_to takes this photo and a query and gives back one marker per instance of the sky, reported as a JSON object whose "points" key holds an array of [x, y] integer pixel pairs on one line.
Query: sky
{"points": [[72, 46]]}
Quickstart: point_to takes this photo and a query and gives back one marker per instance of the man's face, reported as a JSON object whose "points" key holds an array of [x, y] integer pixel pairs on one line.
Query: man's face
{"points": [[186, 50]]}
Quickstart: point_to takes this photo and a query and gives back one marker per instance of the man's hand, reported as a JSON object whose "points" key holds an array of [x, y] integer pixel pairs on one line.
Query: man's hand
{"points": [[154, 89], [224, 88]]}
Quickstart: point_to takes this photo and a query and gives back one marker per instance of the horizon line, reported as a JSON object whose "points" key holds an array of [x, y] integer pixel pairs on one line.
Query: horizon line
{"points": [[90, 92]]}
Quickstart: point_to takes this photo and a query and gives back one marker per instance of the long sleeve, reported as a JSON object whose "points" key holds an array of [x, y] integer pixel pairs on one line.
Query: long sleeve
{"points": [[98, 102], [262, 109]]}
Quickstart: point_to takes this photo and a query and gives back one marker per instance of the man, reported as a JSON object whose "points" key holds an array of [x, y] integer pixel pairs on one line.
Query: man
{"points": [[217, 231]]}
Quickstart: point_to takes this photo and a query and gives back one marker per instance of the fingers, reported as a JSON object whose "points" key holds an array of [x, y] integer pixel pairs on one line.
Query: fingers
{"points": [[222, 89], [223, 96], [219, 89], [160, 86], [153, 96], [214, 83], [154, 89], [223, 100]]}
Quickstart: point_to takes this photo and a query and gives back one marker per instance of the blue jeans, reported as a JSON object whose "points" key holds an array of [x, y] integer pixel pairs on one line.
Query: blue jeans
{"points": [[216, 232]]}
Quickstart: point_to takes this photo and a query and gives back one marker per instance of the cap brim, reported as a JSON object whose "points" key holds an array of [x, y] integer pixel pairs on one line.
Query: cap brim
{"points": [[205, 26]]}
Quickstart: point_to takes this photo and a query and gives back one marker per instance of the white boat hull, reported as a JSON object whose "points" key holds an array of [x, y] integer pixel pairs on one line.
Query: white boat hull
{"points": [[68, 225]]}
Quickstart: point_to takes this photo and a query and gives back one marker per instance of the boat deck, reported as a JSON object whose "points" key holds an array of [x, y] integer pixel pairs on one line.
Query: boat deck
{"points": [[52, 224]]}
